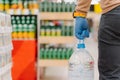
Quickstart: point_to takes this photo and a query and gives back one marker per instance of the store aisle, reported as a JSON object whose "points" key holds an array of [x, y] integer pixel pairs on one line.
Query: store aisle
{"points": [[58, 73]]}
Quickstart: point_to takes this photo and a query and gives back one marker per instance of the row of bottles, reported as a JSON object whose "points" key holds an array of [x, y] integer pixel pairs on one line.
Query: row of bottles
{"points": [[49, 6], [18, 6], [23, 35], [56, 31], [5, 30], [5, 66], [56, 28], [55, 53], [5, 20], [24, 26], [5, 59], [5, 47], [52, 6]]}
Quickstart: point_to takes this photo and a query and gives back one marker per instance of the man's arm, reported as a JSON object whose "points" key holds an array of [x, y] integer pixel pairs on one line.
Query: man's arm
{"points": [[83, 6], [81, 24]]}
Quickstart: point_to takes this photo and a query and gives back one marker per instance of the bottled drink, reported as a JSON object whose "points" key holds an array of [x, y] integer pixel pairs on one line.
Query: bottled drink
{"points": [[1, 5], [7, 6], [20, 4], [81, 64]]}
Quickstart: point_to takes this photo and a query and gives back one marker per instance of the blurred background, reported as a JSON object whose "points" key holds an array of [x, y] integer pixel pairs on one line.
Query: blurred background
{"points": [[43, 38]]}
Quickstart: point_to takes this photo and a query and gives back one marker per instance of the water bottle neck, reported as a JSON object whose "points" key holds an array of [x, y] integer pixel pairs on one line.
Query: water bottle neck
{"points": [[80, 44]]}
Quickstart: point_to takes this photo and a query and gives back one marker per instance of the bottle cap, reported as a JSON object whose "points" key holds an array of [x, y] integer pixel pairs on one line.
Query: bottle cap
{"points": [[81, 45]]}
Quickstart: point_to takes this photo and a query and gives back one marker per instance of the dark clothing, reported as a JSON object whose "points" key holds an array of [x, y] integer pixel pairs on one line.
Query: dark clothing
{"points": [[109, 45]]}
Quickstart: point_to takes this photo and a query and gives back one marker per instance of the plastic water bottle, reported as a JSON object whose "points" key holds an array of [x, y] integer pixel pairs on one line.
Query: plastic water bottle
{"points": [[81, 64]]}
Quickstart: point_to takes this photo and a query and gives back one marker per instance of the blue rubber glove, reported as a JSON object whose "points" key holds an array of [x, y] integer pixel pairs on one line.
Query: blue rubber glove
{"points": [[81, 28]]}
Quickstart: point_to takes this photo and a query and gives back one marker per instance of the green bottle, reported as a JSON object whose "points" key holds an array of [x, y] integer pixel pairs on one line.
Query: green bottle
{"points": [[17, 18], [13, 22], [14, 28], [70, 30], [33, 22], [25, 28], [55, 53], [50, 53], [13, 18], [59, 54], [59, 7], [18, 22], [31, 28], [20, 27], [33, 18], [71, 52], [42, 6], [67, 31], [23, 22], [68, 53], [28, 17], [23, 17], [46, 54], [63, 30], [45, 6], [64, 54], [50, 7], [54, 7], [41, 53], [67, 7], [63, 6], [28, 21]]}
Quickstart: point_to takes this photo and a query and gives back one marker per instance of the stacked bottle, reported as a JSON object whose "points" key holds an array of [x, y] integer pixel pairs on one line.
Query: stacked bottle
{"points": [[19, 6], [56, 28], [55, 53], [81, 63], [5, 47], [24, 26], [49, 6]]}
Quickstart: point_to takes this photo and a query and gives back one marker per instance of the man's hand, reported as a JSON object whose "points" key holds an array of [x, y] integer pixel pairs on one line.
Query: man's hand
{"points": [[81, 28]]}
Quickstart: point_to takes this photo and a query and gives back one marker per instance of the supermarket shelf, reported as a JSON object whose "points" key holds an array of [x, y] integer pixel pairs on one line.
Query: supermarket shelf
{"points": [[57, 40], [16, 39], [53, 63], [61, 15], [56, 16], [6, 68]]}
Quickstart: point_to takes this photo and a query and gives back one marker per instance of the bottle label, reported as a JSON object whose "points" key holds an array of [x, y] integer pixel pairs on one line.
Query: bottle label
{"points": [[78, 71]]}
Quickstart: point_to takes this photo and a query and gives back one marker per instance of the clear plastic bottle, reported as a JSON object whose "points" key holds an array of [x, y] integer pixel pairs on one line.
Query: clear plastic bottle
{"points": [[81, 64]]}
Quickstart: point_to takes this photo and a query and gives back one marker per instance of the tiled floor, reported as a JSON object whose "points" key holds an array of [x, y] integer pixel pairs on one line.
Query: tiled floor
{"points": [[60, 73]]}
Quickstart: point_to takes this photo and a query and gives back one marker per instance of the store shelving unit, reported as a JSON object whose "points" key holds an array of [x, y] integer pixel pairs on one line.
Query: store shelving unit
{"points": [[55, 39], [25, 48], [61, 15], [56, 16], [53, 63]]}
